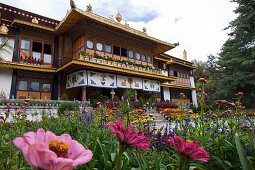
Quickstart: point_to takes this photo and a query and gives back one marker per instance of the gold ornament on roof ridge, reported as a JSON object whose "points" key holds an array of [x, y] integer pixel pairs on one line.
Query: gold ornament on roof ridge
{"points": [[4, 29], [89, 8], [118, 16], [35, 21], [144, 30]]}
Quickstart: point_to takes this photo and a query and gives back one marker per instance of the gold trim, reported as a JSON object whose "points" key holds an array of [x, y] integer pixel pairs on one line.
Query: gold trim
{"points": [[115, 69], [176, 62], [32, 24], [25, 67], [161, 59], [178, 87]]}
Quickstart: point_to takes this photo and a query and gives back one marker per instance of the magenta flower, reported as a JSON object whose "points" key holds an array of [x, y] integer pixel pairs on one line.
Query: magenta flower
{"points": [[189, 149], [48, 151], [8, 107], [128, 137]]}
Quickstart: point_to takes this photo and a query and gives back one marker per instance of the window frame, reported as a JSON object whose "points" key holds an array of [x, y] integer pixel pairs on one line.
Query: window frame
{"points": [[32, 39]]}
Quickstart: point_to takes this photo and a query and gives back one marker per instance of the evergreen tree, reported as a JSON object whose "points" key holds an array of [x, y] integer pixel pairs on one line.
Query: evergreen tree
{"points": [[237, 57]]}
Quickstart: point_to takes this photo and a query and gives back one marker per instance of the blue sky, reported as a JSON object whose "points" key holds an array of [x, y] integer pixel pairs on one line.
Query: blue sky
{"points": [[196, 24]]}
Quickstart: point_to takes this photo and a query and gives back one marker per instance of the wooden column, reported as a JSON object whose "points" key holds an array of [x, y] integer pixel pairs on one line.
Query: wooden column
{"points": [[112, 94], [135, 95], [84, 94]]}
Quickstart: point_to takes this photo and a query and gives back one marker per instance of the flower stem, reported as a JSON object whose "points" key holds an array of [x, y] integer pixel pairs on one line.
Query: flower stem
{"points": [[121, 150]]}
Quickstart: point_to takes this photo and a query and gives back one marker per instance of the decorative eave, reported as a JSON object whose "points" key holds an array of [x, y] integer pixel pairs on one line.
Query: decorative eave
{"points": [[32, 25], [77, 14], [178, 87], [116, 70], [20, 66], [168, 62]]}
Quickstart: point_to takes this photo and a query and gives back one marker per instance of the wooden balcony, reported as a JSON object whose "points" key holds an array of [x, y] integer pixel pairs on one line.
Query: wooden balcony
{"points": [[120, 65]]}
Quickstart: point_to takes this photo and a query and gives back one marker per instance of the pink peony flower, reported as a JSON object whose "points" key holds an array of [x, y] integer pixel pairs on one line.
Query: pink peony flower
{"points": [[128, 137], [189, 149], [48, 151]]}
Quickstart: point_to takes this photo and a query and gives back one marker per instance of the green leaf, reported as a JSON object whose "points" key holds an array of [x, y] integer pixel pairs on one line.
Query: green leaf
{"points": [[241, 153]]}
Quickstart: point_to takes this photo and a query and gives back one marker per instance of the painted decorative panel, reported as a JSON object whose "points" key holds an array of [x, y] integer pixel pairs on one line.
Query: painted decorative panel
{"points": [[151, 85], [105, 80], [76, 79], [129, 82]]}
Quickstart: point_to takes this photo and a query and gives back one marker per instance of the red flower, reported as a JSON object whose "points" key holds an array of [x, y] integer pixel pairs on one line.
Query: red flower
{"points": [[203, 80], [128, 137], [189, 149], [9, 107]]}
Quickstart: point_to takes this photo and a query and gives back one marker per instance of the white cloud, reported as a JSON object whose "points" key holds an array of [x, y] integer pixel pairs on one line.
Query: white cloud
{"points": [[199, 28]]}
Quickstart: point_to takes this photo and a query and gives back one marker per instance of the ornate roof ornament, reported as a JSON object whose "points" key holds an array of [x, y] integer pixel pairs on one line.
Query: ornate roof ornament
{"points": [[35, 21], [111, 18], [176, 44], [118, 16], [126, 24], [144, 30], [4, 29], [72, 4], [89, 8]]}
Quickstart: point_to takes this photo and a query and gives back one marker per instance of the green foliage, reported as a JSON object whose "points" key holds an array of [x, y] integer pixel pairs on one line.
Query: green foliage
{"points": [[69, 107], [129, 93], [64, 96], [238, 55]]}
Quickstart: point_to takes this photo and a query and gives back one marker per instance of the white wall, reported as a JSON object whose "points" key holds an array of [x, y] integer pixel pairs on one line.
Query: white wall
{"points": [[5, 81], [5, 55], [166, 92]]}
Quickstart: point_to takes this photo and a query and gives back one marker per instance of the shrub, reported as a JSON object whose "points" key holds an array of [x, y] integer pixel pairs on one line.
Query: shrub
{"points": [[64, 96], [68, 106]]}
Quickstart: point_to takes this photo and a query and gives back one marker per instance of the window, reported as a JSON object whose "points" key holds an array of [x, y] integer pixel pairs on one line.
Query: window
{"points": [[99, 46], [25, 44], [175, 73], [171, 73], [46, 87], [181, 75], [116, 50], [149, 59], [137, 56], [178, 74], [124, 52], [143, 57], [47, 53], [89, 44], [184, 76], [22, 85], [108, 48], [131, 54], [37, 50], [34, 86]]}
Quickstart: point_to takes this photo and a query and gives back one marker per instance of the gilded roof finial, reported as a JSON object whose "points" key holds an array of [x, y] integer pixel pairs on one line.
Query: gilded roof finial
{"points": [[111, 18], [4, 29], [118, 16], [35, 21], [89, 8], [144, 30], [72, 4], [126, 24]]}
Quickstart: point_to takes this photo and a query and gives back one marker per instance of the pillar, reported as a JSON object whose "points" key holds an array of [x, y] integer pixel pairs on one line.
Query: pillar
{"points": [[166, 93], [135, 95], [84, 94], [194, 98], [112, 94]]}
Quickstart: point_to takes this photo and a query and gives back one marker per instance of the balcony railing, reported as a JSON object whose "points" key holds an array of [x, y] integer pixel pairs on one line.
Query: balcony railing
{"points": [[119, 64]]}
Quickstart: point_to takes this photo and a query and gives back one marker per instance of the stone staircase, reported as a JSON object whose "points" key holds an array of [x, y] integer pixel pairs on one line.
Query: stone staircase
{"points": [[159, 119]]}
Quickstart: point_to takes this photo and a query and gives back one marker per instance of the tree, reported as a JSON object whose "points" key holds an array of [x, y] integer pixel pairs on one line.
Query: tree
{"points": [[211, 71], [5, 47], [237, 57]]}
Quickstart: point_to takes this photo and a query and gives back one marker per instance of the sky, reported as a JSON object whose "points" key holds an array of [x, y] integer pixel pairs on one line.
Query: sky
{"points": [[198, 25]]}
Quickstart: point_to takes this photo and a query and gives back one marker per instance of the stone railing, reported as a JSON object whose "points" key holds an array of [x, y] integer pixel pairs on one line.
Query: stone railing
{"points": [[119, 65]]}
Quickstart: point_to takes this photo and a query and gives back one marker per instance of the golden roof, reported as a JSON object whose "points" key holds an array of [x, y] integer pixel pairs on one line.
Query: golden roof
{"points": [[77, 14]]}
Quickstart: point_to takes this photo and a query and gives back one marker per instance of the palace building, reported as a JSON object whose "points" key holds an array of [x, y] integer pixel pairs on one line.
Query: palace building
{"points": [[85, 54]]}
